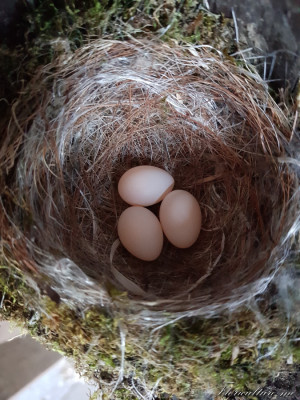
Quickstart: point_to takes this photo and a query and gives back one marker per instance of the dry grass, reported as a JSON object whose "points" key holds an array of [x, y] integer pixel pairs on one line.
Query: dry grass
{"points": [[115, 105]]}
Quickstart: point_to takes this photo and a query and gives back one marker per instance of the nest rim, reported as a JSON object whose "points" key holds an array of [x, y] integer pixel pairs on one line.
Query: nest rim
{"points": [[274, 136]]}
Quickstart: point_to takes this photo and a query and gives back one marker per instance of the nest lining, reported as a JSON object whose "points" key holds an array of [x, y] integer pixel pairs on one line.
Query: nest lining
{"points": [[210, 123]]}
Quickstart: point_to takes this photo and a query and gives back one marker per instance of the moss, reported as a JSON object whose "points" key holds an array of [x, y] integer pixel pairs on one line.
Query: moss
{"points": [[13, 294], [36, 29], [186, 358]]}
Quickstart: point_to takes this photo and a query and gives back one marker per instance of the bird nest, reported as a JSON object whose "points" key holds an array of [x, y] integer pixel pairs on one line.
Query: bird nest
{"points": [[112, 105]]}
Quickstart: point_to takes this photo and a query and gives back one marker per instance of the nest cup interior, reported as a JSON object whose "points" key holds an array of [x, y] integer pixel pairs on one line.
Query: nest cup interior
{"points": [[206, 121]]}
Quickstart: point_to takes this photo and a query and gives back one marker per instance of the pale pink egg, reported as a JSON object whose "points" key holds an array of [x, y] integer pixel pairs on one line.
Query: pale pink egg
{"points": [[145, 185], [140, 233], [180, 218]]}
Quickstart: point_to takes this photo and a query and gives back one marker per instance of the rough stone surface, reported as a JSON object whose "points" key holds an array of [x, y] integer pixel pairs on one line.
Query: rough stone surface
{"points": [[285, 386], [271, 27]]}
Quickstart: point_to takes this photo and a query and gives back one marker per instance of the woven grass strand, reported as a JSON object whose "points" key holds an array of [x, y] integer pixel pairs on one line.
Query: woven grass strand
{"points": [[114, 105]]}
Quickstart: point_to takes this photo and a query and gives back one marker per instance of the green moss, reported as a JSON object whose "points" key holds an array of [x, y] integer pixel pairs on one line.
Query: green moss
{"points": [[295, 350], [186, 358], [13, 294], [33, 37]]}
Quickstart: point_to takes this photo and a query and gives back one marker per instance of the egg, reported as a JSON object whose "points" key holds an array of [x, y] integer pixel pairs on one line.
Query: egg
{"points": [[180, 218], [145, 185], [140, 233]]}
